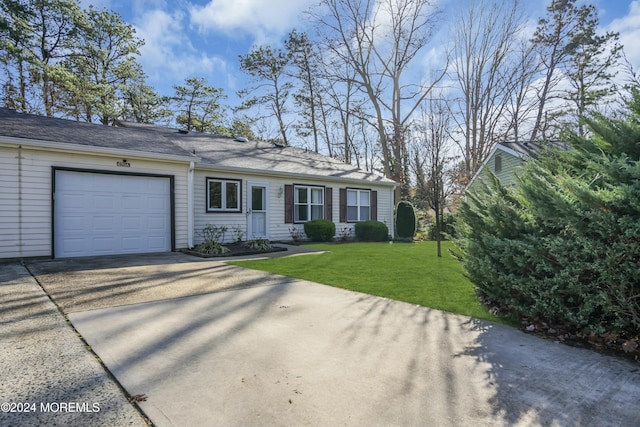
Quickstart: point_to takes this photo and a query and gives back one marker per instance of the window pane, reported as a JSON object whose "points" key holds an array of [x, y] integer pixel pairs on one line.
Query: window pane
{"points": [[232, 195], [316, 196], [352, 198], [301, 195], [257, 198], [364, 198], [301, 213], [215, 195], [364, 213], [316, 211], [352, 213]]}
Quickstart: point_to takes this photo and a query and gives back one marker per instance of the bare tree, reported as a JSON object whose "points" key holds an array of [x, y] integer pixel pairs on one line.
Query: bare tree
{"points": [[522, 104], [432, 161], [379, 40], [484, 37]]}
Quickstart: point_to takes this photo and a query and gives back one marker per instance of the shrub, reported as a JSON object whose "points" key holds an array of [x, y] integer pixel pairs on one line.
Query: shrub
{"points": [[296, 234], [562, 244], [211, 247], [214, 233], [213, 236], [372, 231], [448, 228], [258, 244], [320, 230], [405, 220]]}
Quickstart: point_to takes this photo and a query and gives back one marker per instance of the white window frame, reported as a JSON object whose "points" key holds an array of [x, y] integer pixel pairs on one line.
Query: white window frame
{"points": [[224, 182], [309, 204], [358, 204]]}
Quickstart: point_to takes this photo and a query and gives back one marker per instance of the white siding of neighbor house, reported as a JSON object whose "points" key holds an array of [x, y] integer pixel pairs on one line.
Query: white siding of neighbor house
{"points": [[278, 230], [25, 194]]}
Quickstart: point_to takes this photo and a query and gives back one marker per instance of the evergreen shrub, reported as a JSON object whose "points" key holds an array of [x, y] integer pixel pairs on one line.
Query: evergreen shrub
{"points": [[448, 228], [320, 230], [372, 231], [405, 220], [563, 244]]}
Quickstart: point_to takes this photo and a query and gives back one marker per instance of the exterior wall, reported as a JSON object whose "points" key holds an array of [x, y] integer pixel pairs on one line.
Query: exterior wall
{"points": [[25, 194], [278, 229], [510, 164]]}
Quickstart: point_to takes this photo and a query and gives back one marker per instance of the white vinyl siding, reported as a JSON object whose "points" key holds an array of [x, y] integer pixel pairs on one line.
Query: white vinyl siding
{"points": [[26, 209]]}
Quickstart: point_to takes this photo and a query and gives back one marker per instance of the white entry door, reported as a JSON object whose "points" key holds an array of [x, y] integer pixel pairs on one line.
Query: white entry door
{"points": [[258, 216]]}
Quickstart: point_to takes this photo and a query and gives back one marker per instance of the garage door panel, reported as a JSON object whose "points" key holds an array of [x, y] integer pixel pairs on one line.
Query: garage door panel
{"points": [[74, 201], [131, 202], [104, 202], [131, 223], [157, 242], [155, 202], [72, 224], [96, 214], [156, 224]]}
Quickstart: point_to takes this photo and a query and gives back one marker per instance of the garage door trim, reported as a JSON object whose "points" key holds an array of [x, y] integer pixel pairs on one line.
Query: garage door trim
{"points": [[171, 178]]}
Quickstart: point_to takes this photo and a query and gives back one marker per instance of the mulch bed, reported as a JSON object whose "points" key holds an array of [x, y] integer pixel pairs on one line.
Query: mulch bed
{"points": [[235, 249]]}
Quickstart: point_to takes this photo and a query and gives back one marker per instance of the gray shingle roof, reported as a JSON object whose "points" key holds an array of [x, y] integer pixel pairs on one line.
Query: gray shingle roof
{"points": [[533, 148], [210, 151], [20, 125]]}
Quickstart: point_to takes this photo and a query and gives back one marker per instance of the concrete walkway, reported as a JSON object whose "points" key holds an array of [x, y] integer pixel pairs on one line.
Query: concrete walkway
{"points": [[48, 375], [213, 344]]}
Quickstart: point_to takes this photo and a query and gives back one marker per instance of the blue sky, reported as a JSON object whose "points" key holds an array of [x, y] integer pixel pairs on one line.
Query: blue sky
{"points": [[186, 38]]}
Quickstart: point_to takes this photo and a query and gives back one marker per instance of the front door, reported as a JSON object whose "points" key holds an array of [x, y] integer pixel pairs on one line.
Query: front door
{"points": [[257, 218]]}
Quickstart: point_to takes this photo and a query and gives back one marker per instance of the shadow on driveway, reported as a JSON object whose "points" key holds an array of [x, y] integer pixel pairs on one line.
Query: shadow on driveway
{"points": [[210, 343]]}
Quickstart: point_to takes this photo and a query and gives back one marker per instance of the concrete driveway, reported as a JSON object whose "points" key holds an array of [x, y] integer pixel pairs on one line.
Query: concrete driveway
{"points": [[213, 344]]}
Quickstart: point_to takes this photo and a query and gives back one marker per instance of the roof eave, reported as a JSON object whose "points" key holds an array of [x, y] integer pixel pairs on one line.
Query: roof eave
{"points": [[92, 149], [284, 174]]}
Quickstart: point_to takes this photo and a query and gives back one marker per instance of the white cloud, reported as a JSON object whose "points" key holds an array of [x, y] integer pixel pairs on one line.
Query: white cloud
{"points": [[264, 20], [629, 29], [168, 55]]}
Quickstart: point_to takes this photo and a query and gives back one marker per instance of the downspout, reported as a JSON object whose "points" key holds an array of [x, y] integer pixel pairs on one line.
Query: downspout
{"points": [[20, 242], [190, 210]]}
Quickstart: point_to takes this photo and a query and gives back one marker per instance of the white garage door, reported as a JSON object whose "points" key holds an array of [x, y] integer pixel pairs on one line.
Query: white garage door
{"points": [[106, 214]]}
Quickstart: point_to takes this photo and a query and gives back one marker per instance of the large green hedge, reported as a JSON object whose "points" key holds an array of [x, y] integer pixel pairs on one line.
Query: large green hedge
{"points": [[563, 245]]}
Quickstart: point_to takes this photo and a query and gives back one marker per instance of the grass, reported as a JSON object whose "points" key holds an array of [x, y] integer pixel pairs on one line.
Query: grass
{"points": [[409, 272]]}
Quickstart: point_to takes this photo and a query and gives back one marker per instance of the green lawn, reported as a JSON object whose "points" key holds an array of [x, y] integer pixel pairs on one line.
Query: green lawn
{"points": [[409, 272]]}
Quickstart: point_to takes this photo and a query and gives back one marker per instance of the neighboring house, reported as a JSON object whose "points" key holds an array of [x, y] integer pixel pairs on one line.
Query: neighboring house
{"points": [[74, 189], [506, 158]]}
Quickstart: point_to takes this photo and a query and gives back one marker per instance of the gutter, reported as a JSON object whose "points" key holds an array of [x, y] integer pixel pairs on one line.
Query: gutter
{"points": [[65, 147], [279, 174]]}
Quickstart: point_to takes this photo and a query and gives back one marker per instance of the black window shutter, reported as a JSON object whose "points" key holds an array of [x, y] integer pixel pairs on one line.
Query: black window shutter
{"points": [[374, 205], [343, 205], [288, 204], [328, 203]]}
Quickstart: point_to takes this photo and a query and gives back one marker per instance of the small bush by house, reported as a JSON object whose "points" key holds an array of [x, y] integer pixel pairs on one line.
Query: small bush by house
{"points": [[372, 231], [320, 230]]}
